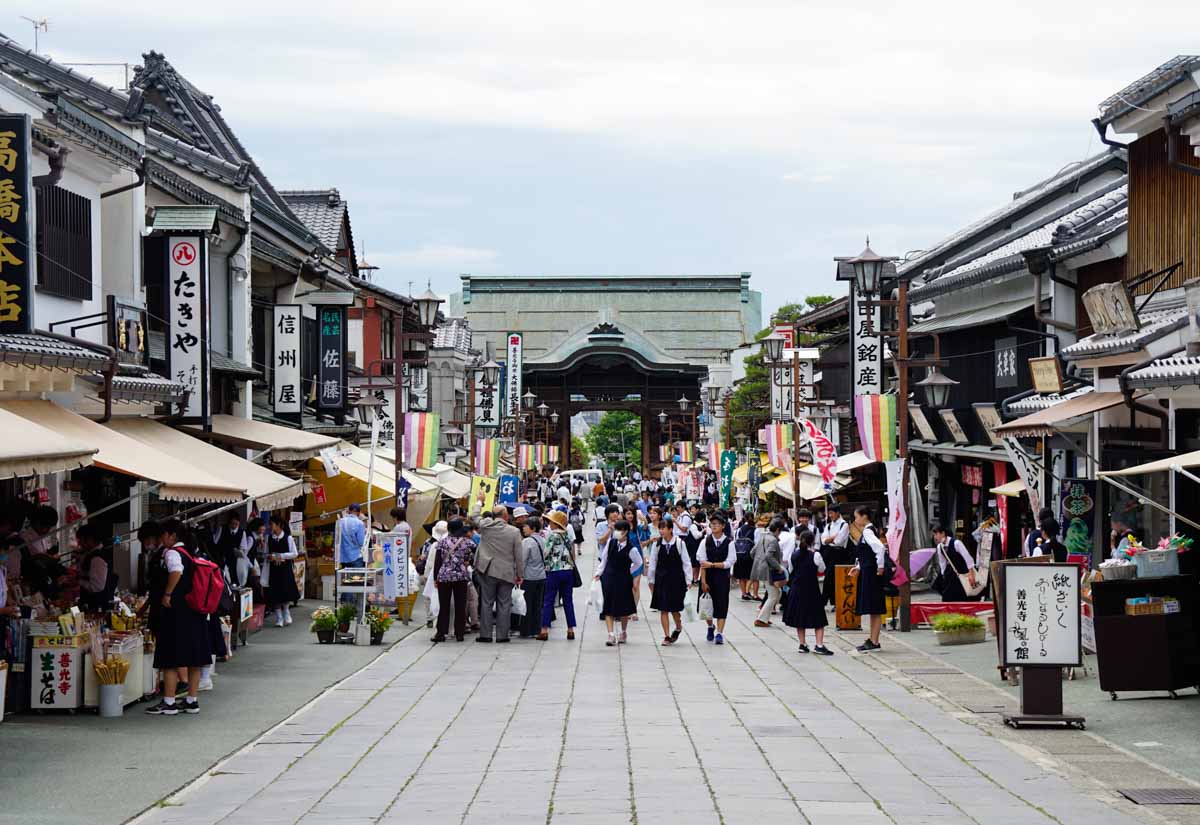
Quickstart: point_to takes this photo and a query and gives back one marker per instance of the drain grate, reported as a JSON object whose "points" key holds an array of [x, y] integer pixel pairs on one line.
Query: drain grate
{"points": [[1161, 796], [929, 671]]}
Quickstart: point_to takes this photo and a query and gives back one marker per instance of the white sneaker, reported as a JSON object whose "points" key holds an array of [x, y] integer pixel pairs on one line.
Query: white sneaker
{"points": [[205, 684], [279, 620], [287, 619]]}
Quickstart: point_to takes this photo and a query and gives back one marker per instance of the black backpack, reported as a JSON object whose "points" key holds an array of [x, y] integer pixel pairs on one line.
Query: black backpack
{"points": [[744, 543]]}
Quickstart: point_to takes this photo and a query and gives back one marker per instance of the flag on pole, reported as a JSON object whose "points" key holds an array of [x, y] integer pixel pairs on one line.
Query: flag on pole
{"points": [[779, 442], [487, 456], [420, 439], [876, 415], [686, 451], [526, 457], [554, 453], [664, 453], [714, 455]]}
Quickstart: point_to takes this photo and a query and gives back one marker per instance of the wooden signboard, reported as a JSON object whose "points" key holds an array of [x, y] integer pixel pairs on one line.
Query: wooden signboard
{"points": [[1046, 374], [846, 587]]}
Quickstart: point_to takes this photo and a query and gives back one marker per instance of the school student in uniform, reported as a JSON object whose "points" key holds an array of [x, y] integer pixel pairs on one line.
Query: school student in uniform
{"points": [[805, 607], [619, 559], [669, 574], [835, 547], [279, 578], [868, 569], [717, 557], [953, 561]]}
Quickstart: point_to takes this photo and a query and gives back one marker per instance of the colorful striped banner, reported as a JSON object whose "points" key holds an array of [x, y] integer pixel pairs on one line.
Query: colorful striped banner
{"points": [[421, 439], [526, 457], [664, 453], [686, 450], [541, 455], [487, 456], [779, 443], [877, 429], [555, 452], [714, 455]]}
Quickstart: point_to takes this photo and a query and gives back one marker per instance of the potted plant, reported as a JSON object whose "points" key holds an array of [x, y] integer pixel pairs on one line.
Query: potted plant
{"points": [[379, 621], [345, 615], [324, 622], [957, 629]]}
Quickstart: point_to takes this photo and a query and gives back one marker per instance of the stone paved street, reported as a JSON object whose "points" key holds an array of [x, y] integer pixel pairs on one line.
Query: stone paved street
{"points": [[579, 733]]}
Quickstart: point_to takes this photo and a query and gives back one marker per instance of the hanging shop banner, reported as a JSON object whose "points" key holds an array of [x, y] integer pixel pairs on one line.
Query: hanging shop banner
{"points": [[514, 362], [16, 228], [487, 456], [824, 453], [877, 427], [285, 381], [487, 403], [686, 450], [507, 493], [420, 439], [1041, 615], [866, 349], [1029, 468], [715, 448], [664, 453], [1077, 514], [1000, 476], [525, 457], [779, 442], [898, 517], [729, 460], [187, 354], [483, 492], [331, 368]]}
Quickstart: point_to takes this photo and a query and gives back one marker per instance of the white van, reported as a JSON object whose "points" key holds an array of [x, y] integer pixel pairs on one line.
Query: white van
{"points": [[588, 479]]}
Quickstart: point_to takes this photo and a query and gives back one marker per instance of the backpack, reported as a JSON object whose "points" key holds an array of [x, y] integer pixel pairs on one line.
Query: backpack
{"points": [[208, 585], [744, 542]]}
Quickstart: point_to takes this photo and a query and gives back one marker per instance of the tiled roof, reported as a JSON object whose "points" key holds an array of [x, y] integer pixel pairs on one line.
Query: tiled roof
{"points": [[453, 333], [1165, 314], [1023, 202], [181, 153], [1168, 372], [45, 75], [321, 210], [1184, 108], [141, 385], [1145, 88], [836, 310], [43, 351], [228, 366], [1036, 403], [1003, 254]]}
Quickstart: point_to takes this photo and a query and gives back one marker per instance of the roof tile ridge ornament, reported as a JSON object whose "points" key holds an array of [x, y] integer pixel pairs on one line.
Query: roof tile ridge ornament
{"points": [[606, 329]]}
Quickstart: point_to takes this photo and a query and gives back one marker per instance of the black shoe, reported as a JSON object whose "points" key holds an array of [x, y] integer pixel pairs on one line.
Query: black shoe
{"points": [[163, 709], [458, 638], [181, 688], [191, 706], [503, 641], [437, 639], [867, 646], [484, 640], [804, 648], [675, 634], [821, 650]]}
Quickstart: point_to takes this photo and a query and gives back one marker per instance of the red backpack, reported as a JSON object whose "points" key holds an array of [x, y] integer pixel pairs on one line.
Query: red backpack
{"points": [[208, 585]]}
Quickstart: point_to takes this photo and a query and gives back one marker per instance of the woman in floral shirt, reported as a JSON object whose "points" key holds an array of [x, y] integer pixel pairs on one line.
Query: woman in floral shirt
{"points": [[451, 560], [560, 575]]}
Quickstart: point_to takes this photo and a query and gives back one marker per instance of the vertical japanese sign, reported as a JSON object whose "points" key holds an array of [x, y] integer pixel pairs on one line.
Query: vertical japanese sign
{"points": [[16, 230], [507, 493], [331, 370], [1029, 468], [781, 394], [729, 459], [187, 290], [515, 342], [1041, 615], [285, 381], [866, 350], [416, 388], [1006, 362], [394, 550], [487, 403]]}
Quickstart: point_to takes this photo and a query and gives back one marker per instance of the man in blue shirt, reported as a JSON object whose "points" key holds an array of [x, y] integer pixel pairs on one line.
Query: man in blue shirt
{"points": [[350, 545]]}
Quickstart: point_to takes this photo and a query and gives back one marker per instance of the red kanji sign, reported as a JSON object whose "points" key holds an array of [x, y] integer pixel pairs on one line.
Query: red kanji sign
{"points": [[183, 253], [319, 493]]}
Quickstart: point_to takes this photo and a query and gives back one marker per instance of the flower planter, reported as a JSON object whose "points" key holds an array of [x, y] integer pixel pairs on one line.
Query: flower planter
{"points": [[969, 636], [377, 638], [344, 628], [325, 637]]}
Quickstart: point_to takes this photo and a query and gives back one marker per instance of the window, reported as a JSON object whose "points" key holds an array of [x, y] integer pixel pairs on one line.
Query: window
{"points": [[64, 243]]}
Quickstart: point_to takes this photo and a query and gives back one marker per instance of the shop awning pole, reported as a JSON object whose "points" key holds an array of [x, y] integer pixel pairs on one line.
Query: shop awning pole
{"points": [[1142, 498]]}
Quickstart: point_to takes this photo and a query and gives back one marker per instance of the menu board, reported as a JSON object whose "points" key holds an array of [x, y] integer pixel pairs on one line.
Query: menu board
{"points": [[1042, 615]]}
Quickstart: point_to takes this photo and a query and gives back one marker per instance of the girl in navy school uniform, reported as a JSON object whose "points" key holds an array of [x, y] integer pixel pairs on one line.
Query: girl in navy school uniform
{"points": [[805, 607]]}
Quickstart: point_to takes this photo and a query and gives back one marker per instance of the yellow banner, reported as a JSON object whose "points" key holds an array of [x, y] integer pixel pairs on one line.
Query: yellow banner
{"points": [[485, 486]]}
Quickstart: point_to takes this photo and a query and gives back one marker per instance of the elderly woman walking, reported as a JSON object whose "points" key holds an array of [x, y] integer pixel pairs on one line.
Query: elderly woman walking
{"points": [[560, 575], [768, 567], [534, 584]]}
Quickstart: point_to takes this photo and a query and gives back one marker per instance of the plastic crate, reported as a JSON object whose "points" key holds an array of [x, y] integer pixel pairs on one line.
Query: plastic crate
{"points": [[1154, 563]]}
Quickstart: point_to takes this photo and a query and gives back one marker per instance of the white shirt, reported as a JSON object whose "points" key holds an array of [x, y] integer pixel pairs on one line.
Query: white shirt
{"points": [[730, 555], [962, 551], [875, 544], [659, 546], [635, 558], [173, 560], [837, 533], [819, 562]]}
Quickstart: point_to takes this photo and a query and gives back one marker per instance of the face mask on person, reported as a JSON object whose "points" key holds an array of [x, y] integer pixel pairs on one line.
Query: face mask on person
{"points": [[620, 534]]}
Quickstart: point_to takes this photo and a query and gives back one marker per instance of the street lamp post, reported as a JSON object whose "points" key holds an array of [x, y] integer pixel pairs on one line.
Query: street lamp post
{"points": [[868, 277], [773, 349], [427, 309]]}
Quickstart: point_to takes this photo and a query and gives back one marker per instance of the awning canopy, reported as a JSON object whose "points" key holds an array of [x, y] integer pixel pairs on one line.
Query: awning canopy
{"points": [[1047, 421], [453, 483], [810, 487], [1012, 489], [1185, 461], [853, 461], [269, 489], [351, 485], [974, 317], [285, 443], [29, 449], [178, 479], [741, 472]]}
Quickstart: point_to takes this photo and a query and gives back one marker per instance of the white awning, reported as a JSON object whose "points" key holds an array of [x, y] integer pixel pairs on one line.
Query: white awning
{"points": [[285, 443], [1185, 461], [29, 449], [1012, 489], [178, 479], [269, 489], [1047, 421]]}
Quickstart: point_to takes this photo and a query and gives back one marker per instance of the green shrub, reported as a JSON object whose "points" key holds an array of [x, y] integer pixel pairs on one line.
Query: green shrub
{"points": [[345, 613], [323, 619], [946, 622]]}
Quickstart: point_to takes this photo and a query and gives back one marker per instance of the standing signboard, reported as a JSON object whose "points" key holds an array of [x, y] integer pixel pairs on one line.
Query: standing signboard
{"points": [[394, 549], [729, 459], [515, 355], [187, 352], [1042, 634], [285, 382], [331, 350], [866, 349], [16, 226]]}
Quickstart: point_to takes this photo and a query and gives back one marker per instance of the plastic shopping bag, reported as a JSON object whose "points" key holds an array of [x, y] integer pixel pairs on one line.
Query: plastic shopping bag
{"points": [[689, 605], [596, 597], [518, 602], [433, 604], [705, 608]]}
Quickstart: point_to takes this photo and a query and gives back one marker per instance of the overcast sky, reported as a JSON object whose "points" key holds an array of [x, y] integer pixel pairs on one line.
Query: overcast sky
{"points": [[651, 137]]}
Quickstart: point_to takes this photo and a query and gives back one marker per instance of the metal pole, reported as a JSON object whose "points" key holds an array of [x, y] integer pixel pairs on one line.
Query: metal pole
{"points": [[399, 403], [902, 422], [796, 431]]}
